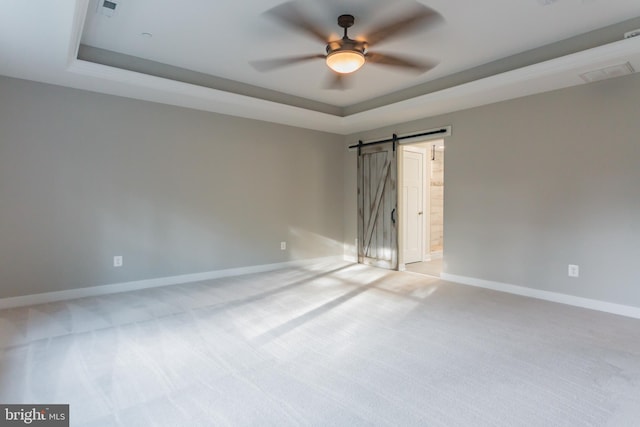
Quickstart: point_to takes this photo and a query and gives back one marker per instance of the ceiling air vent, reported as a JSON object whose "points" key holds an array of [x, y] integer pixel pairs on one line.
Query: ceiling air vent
{"points": [[107, 7], [608, 72]]}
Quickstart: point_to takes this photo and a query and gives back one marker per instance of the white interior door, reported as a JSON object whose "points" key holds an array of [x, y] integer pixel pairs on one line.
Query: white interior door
{"points": [[413, 203]]}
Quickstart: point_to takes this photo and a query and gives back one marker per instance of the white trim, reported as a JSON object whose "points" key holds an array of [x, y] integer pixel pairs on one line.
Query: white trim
{"points": [[608, 307], [80, 14], [115, 288], [166, 91]]}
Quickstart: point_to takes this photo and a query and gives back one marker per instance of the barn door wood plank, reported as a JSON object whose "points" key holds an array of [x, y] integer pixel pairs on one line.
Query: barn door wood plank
{"points": [[376, 207]]}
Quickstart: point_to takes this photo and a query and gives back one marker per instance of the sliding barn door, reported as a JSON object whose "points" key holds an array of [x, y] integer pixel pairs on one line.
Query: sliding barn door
{"points": [[377, 206]]}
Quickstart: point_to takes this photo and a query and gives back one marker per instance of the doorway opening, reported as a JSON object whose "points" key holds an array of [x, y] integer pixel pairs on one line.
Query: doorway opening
{"points": [[421, 207]]}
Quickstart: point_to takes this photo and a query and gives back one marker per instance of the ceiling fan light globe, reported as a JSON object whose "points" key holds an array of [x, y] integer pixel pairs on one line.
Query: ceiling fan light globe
{"points": [[345, 61]]}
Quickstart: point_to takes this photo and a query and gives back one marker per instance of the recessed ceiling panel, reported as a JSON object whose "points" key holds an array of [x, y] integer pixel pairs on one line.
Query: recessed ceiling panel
{"points": [[222, 38]]}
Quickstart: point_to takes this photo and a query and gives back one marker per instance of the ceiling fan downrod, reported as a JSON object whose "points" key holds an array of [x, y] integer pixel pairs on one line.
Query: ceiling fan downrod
{"points": [[346, 21]]}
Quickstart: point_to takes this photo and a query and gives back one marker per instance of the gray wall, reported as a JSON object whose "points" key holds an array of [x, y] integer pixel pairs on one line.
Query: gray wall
{"points": [[537, 183], [84, 177]]}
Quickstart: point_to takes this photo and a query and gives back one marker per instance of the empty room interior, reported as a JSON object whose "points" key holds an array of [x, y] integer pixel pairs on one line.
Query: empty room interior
{"points": [[320, 212]]}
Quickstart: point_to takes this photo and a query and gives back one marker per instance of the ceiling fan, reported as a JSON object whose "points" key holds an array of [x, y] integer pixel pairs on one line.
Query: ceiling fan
{"points": [[346, 55]]}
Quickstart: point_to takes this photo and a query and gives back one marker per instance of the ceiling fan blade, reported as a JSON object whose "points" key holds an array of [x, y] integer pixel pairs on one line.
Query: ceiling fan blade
{"points": [[338, 82], [398, 61], [291, 15], [418, 18], [272, 64]]}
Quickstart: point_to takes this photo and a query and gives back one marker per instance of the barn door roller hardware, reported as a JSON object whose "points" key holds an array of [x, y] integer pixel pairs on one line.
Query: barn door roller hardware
{"points": [[395, 139]]}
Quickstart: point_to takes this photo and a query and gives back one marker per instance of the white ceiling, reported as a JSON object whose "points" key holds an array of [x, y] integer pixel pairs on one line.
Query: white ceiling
{"points": [[39, 41]]}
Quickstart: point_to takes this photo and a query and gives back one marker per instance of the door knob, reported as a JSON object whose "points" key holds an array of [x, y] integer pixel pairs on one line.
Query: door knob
{"points": [[419, 213]]}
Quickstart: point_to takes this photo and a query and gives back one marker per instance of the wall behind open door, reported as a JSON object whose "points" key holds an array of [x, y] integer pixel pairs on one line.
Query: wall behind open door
{"points": [[436, 201], [377, 206]]}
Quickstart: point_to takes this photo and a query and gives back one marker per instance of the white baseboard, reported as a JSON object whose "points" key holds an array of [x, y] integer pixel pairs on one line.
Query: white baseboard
{"points": [[350, 258], [608, 307], [115, 288]]}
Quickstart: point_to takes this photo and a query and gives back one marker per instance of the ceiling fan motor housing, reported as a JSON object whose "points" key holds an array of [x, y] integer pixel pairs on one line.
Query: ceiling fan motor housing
{"points": [[346, 44]]}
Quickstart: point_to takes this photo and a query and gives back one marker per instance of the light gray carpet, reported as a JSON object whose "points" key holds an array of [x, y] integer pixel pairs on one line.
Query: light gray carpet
{"points": [[325, 345]]}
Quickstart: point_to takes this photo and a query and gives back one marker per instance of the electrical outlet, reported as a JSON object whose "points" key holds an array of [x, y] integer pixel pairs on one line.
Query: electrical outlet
{"points": [[117, 261], [283, 246], [574, 270]]}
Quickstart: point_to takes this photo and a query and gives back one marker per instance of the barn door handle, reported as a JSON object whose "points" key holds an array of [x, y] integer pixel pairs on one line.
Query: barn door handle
{"points": [[393, 215]]}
